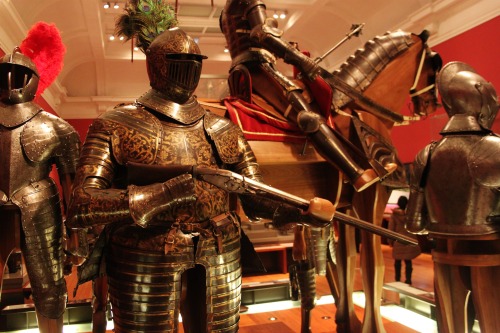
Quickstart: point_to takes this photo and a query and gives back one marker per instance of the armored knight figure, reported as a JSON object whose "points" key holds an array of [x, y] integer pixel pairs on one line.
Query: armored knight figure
{"points": [[254, 40], [455, 199], [172, 245], [31, 142]]}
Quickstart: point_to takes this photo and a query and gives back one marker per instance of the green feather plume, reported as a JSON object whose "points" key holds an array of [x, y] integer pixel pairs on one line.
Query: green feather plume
{"points": [[144, 20]]}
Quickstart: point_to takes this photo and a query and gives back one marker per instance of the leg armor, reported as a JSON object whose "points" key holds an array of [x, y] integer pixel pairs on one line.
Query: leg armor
{"points": [[149, 288], [220, 255], [144, 283], [43, 249], [320, 238]]}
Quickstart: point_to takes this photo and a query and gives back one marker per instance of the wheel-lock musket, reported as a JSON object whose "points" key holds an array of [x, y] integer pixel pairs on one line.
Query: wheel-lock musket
{"points": [[142, 174]]}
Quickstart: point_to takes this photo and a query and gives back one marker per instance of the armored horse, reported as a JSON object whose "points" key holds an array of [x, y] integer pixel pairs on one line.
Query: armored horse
{"points": [[362, 101]]}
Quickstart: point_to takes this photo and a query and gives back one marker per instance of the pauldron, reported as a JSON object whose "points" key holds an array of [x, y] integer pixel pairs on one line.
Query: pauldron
{"points": [[135, 134], [58, 139], [484, 160], [226, 137]]}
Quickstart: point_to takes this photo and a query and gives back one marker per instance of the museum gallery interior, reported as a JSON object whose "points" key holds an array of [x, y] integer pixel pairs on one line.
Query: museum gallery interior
{"points": [[244, 166]]}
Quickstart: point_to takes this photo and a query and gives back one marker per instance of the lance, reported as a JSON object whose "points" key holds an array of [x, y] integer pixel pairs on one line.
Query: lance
{"points": [[355, 31]]}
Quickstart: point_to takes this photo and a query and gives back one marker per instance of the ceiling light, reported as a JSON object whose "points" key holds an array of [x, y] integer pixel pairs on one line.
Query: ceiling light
{"points": [[122, 38], [275, 15], [106, 5], [226, 50], [283, 15], [116, 6], [111, 38]]}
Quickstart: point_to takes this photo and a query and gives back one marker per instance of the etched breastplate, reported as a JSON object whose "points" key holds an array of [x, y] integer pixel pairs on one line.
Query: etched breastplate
{"points": [[189, 145]]}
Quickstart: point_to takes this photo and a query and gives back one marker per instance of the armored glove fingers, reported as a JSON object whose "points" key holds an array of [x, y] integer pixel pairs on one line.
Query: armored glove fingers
{"points": [[145, 202]]}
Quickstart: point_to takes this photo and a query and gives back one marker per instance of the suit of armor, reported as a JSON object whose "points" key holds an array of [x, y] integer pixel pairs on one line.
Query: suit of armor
{"points": [[254, 40], [174, 246], [455, 198], [31, 142]]}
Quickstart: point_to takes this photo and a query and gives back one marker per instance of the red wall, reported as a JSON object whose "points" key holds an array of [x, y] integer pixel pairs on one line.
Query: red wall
{"points": [[478, 47], [81, 126]]}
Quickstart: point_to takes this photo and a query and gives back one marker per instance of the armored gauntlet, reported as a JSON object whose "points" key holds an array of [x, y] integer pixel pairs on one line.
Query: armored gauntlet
{"points": [[146, 202]]}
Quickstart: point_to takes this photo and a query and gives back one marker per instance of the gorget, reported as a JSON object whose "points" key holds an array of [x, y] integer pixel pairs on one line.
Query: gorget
{"points": [[17, 114], [186, 113], [462, 123]]}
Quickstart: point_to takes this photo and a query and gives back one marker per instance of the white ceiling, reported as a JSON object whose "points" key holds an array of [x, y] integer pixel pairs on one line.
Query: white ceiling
{"points": [[98, 73]]}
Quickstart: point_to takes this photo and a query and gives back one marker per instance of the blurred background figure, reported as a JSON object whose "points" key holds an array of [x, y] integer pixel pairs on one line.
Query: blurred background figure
{"points": [[402, 252]]}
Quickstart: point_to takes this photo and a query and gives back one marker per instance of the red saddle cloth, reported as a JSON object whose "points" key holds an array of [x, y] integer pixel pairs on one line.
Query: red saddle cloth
{"points": [[258, 124]]}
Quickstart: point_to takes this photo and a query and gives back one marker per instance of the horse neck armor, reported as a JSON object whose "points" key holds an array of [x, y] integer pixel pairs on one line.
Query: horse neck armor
{"points": [[362, 68]]}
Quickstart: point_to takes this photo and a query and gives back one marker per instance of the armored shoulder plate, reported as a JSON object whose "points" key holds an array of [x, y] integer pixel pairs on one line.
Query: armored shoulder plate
{"points": [[225, 135], [420, 166], [484, 160], [135, 134], [48, 136]]}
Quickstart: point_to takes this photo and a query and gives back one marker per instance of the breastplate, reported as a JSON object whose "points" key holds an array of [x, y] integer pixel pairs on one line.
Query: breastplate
{"points": [[188, 145]]}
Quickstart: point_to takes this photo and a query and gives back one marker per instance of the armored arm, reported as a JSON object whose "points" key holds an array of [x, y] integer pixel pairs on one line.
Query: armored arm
{"points": [[97, 200], [265, 32], [416, 210], [66, 159]]}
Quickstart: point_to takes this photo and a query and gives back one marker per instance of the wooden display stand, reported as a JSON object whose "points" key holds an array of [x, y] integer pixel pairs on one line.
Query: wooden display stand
{"points": [[14, 273]]}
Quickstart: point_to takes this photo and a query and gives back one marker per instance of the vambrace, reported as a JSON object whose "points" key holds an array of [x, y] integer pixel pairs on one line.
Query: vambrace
{"points": [[266, 34], [416, 216], [416, 211], [93, 206], [146, 202]]}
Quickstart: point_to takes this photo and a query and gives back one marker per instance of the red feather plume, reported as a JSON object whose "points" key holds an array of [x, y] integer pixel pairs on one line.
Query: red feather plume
{"points": [[44, 46]]}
